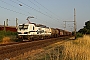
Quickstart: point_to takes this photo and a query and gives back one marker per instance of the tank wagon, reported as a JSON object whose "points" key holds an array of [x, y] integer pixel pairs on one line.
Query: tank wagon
{"points": [[33, 31]]}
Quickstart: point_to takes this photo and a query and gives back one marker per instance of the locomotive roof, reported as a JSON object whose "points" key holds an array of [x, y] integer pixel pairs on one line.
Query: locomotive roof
{"points": [[40, 25], [37, 25]]}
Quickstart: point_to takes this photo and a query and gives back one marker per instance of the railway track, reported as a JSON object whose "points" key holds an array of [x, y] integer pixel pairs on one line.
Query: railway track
{"points": [[12, 50]]}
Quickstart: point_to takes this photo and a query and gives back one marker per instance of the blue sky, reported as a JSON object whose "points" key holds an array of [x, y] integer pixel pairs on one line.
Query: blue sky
{"points": [[51, 13]]}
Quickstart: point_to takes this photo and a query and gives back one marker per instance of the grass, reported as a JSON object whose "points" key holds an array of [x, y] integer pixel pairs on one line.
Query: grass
{"points": [[7, 36], [70, 50], [6, 40], [78, 49]]}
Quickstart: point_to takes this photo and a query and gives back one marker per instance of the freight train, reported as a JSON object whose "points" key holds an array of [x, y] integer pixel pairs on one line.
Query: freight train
{"points": [[31, 31]]}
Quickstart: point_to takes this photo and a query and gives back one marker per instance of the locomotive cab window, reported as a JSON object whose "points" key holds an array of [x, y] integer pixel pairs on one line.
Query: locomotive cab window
{"points": [[23, 27]]}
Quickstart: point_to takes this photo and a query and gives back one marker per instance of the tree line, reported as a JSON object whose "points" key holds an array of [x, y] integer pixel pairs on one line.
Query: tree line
{"points": [[84, 30]]}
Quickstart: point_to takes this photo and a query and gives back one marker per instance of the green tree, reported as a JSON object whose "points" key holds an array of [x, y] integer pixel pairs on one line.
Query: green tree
{"points": [[86, 29], [83, 31], [87, 25]]}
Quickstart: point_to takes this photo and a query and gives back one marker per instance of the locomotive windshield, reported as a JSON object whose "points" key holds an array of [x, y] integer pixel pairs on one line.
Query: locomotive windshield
{"points": [[23, 27]]}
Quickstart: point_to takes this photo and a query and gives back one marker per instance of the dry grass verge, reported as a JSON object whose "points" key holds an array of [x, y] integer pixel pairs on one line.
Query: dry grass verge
{"points": [[78, 49], [6, 40], [69, 50]]}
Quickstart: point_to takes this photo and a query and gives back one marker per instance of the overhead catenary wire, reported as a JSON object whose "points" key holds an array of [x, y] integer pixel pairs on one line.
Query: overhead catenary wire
{"points": [[48, 10], [12, 6], [37, 6], [36, 10], [34, 4], [17, 11], [44, 11], [17, 3], [34, 17], [54, 18], [13, 11]]}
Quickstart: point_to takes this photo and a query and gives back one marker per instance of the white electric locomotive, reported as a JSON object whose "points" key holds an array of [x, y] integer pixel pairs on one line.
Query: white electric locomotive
{"points": [[32, 31]]}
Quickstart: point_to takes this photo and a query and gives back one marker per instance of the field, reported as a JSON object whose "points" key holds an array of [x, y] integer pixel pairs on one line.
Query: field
{"points": [[66, 50]]}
